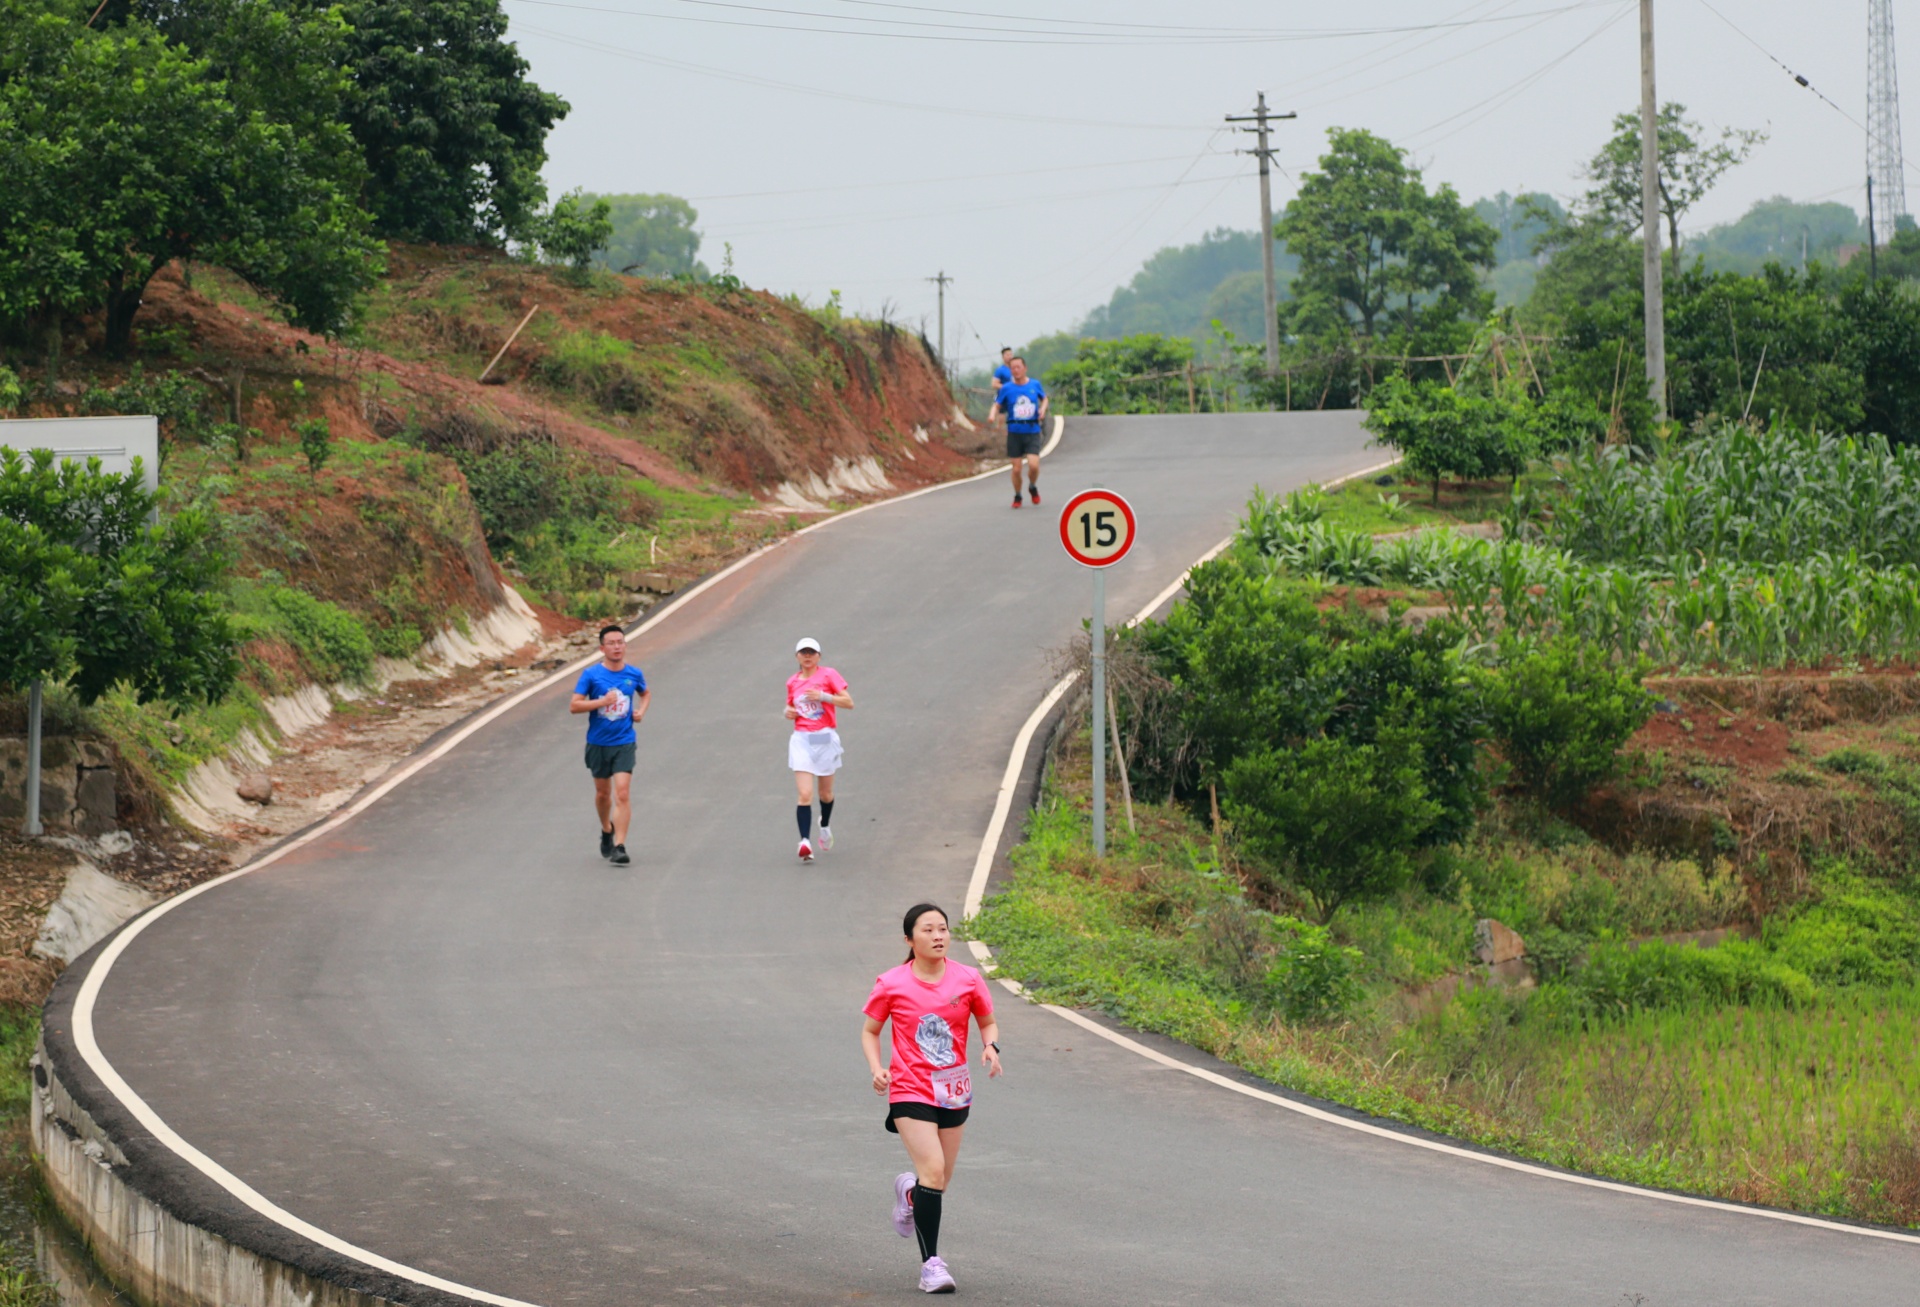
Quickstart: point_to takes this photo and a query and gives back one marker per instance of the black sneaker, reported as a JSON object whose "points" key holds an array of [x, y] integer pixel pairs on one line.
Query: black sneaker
{"points": [[606, 844], [620, 858]]}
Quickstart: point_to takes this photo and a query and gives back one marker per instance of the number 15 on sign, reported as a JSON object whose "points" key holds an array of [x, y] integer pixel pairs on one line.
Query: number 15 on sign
{"points": [[1097, 529]]}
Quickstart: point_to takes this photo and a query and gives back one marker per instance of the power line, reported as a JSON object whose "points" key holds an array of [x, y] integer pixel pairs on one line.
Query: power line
{"points": [[768, 83], [1824, 99], [1513, 90], [1029, 37], [934, 181]]}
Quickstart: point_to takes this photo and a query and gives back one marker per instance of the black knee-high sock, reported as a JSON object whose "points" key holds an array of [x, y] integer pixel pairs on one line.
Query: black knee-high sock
{"points": [[803, 813], [926, 1220], [826, 813]]}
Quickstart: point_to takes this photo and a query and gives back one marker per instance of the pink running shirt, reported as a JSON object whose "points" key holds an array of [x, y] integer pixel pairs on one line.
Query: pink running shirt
{"points": [[815, 716], [930, 1032]]}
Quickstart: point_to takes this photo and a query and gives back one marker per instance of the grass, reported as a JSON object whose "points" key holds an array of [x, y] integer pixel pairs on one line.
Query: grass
{"points": [[1366, 506], [24, 1202], [1809, 1107]]}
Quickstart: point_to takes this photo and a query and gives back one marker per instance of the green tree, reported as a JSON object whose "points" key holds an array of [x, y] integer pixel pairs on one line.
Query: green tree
{"points": [[1690, 165], [1373, 243], [1142, 373], [573, 231], [121, 152], [652, 235], [1338, 820], [453, 131], [91, 594]]}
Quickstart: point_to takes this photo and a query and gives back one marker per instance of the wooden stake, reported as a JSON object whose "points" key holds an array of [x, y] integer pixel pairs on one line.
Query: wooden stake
{"points": [[1126, 787], [1190, 404], [510, 339]]}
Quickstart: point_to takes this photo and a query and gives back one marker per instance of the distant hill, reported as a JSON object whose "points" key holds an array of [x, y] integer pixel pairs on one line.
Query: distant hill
{"points": [[1777, 231], [1182, 288]]}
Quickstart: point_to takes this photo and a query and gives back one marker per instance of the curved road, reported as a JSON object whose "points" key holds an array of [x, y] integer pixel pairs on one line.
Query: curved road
{"points": [[451, 1034]]}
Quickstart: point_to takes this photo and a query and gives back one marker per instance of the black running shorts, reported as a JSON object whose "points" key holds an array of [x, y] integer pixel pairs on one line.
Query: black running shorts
{"points": [[1022, 443], [603, 760], [944, 1117]]}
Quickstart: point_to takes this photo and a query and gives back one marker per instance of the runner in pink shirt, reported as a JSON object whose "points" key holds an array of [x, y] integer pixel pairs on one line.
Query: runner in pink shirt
{"points": [[929, 1086], [815, 694]]}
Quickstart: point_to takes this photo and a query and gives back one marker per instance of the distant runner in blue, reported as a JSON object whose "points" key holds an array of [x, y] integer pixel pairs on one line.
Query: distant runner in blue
{"points": [[1024, 403], [616, 693]]}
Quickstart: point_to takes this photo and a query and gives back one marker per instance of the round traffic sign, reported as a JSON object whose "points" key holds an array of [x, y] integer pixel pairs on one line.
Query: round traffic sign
{"points": [[1097, 527]]}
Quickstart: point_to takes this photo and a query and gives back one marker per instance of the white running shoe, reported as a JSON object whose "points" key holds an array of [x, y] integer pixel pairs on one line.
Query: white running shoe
{"points": [[806, 851], [903, 1204], [826, 840], [935, 1277]]}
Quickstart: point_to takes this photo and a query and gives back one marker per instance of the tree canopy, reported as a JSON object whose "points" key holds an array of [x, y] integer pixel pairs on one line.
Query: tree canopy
{"points": [[92, 594], [1376, 248], [453, 131], [1690, 165], [121, 151], [652, 235]]}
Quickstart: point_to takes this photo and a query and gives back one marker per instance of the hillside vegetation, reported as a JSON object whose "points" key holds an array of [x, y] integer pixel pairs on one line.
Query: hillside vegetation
{"points": [[372, 494], [1593, 841]]}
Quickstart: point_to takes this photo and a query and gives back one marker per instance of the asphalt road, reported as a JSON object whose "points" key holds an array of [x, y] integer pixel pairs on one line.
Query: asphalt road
{"points": [[453, 1035]]}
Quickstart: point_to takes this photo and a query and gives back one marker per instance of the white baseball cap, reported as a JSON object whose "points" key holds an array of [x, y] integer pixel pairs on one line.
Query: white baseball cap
{"points": [[806, 643]]}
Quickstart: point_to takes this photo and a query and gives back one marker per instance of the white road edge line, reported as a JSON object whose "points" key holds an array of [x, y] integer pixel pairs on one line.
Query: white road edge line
{"points": [[138, 1107], [976, 893]]}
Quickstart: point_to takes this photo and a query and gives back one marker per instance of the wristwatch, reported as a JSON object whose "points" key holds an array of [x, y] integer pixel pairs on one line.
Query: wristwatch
{"points": [[993, 1045]]}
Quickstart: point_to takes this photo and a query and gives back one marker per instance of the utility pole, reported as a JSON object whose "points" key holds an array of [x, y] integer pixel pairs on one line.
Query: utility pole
{"points": [[1656, 315], [942, 281], [1261, 118], [1873, 248]]}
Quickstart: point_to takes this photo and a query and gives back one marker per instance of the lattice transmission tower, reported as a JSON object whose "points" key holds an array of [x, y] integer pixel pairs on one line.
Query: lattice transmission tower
{"points": [[1884, 163]]}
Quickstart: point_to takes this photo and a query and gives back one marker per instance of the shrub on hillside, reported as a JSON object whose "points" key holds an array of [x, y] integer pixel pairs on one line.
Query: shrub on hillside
{"points": [[1559, 711], [1443, 432], [1619, 978], [1857, 933], [332, 642], [1312, 978], [1337, 820], [1252, 664]]}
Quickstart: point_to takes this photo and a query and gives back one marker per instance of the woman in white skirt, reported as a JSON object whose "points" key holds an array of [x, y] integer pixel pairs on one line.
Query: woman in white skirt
{"points": [[814, 695]]}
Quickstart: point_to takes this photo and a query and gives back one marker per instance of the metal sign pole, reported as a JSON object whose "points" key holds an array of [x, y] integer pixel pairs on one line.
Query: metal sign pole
{"points": [[32, 826], [1100, 712]]}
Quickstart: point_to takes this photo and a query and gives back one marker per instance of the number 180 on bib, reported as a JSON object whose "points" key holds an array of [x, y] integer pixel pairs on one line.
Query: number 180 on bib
{"points": [[1097, 528]]}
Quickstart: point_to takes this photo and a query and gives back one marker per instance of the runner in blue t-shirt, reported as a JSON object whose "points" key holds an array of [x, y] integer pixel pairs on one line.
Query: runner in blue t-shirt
{"points": [[1024, 403], [616, 693]]}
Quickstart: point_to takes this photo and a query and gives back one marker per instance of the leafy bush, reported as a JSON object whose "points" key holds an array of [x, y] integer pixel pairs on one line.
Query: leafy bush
{"points": [[1618, 979], [1338, 820], [1559, 711], [1254, 665], [316, 442], [10, 391], [598, 364], [1312, 978], [1857, 933], [1443, 432], [332, 641], [179, 402], [573, 231]]}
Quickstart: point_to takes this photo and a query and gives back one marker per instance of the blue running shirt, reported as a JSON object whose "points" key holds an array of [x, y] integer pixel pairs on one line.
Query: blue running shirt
{"points": [[614, 723], [1021, 403]]}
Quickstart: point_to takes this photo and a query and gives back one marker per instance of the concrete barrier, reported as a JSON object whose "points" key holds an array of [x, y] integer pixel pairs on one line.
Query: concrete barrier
{"points": [[155, 1226]]}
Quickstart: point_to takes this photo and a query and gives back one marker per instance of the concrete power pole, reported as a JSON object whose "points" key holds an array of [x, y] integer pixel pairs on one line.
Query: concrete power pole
{"points": [[1261, 118], [942, 281], [1656, 314]]}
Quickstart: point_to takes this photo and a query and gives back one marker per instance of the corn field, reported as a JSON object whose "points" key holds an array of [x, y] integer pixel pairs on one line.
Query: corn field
{"points": [[1744, 550]]}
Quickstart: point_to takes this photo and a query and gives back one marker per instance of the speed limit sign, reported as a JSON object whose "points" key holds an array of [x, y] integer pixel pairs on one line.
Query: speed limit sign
{"points": [[1097, 527]]}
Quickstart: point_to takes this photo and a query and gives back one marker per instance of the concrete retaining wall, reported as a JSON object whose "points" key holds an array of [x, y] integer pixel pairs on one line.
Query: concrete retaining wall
{"points": [[167, 1234]]}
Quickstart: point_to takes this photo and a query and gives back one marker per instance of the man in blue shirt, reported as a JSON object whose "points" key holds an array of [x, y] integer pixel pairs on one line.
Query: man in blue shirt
{"points": [[616, 693], [1024, 403]]}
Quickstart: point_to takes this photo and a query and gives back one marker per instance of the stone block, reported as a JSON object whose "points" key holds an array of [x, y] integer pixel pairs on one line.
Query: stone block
{"points": [[255, 787], [1495, 944], [653, 582], [96, 801]]}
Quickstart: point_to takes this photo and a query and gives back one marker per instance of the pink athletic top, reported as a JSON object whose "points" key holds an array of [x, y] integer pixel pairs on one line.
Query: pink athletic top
{"points": [[815, 716], [930, 1032]]}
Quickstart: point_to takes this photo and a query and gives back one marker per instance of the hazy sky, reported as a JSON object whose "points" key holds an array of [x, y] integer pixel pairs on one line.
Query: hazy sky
{"points": [[1038, 154]]}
